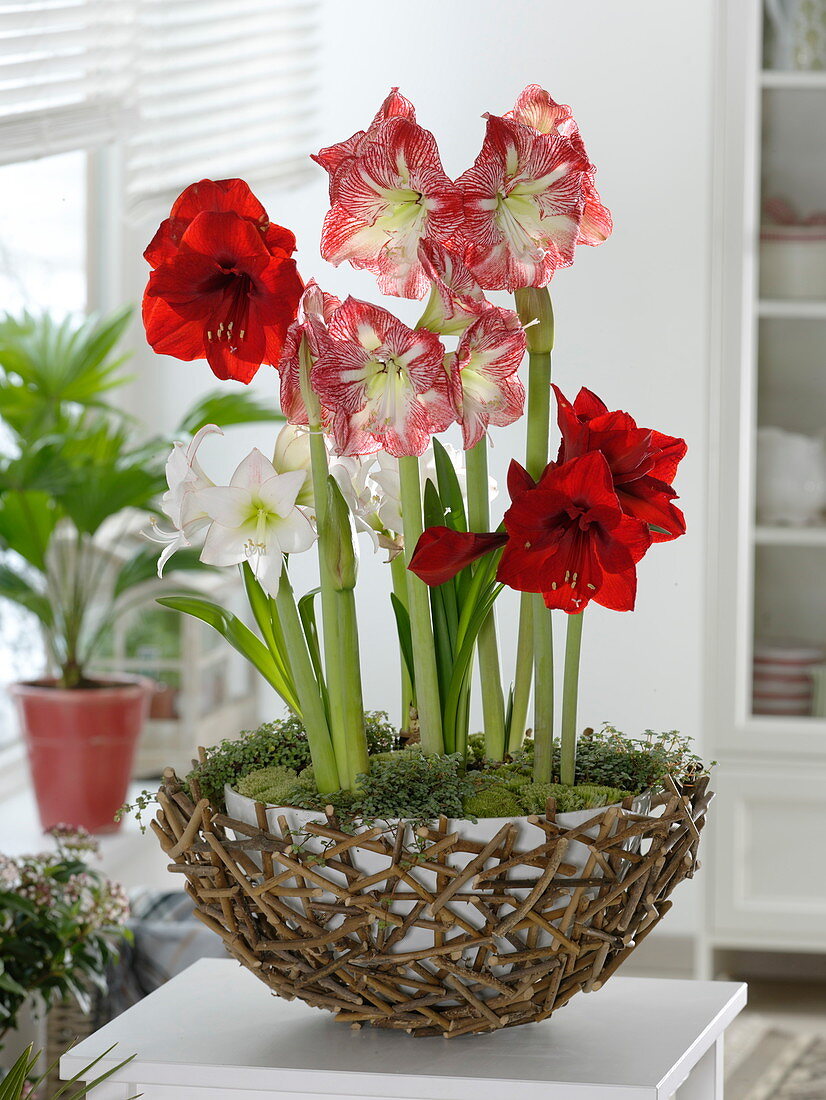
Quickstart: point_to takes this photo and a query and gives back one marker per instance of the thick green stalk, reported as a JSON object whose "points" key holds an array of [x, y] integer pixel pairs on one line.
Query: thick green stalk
{"points": [[352, 702], [570, 693], [493, 700], [421, 629], [523, 675], [341, 559], [313, 715], [398, 572], [543, 692], [535, 651], [329, 603]]}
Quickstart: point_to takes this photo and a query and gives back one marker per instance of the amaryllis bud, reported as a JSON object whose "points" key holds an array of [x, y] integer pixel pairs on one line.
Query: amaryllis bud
{"points": [[338, 539], [292, 452], [537, 317]]}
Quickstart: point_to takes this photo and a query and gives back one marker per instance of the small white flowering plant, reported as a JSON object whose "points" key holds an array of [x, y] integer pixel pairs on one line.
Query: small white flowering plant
{"points": [[61, 924]]}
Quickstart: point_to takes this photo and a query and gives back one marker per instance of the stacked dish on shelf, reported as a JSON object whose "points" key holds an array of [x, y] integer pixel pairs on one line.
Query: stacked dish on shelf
{"points": [[785, 673]]}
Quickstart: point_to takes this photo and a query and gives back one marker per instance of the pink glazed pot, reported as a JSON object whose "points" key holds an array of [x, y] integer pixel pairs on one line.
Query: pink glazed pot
{"points": [[81, 744]]}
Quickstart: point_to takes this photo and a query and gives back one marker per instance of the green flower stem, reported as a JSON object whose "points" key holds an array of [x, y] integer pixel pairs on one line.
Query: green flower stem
{"points": [[543, 692], [398, 572], [523, 675], [421, 629], [535, 649], [329, 602], [351, 698], [493, 700], [313, 714], [570, 693]]}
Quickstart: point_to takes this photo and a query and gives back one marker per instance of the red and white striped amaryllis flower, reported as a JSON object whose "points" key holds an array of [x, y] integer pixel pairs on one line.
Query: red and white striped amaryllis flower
{"points": [[335, 157], [487, 361], [524, 199], [456, 298], [536, 108], [388, 193], [384, 384], [314, 312]]}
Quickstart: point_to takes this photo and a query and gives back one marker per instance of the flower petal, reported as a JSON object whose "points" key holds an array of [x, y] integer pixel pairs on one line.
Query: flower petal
{"points": [[293, 533], [441, 553], [226, 545], [230, 506], [278, 494]]}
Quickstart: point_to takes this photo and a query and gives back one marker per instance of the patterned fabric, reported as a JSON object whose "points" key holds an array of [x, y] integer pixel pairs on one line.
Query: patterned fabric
{"points": [[766, 1063]]}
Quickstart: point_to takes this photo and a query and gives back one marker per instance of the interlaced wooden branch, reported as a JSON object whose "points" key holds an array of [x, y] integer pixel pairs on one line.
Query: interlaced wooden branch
{"points": [[452, 935]]}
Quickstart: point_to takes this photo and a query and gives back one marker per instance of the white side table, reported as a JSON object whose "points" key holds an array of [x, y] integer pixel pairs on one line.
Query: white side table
{"points": [[216, 1033]]}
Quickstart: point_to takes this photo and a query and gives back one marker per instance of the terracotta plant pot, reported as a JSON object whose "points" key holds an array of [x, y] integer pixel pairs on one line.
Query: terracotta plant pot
{"points": [[81, 743]]}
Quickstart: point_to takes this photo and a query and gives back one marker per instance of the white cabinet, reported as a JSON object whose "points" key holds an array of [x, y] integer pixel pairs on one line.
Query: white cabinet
{"points": [[769, 862], [766, 582]]}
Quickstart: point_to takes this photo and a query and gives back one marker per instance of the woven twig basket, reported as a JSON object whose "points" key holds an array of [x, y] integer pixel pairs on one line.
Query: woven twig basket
{"points": [[512, 930]]}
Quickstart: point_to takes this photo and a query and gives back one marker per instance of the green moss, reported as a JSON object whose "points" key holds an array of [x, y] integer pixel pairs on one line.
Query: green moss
{"points": [[273, 785], [495, 801], [282, 743], [509, 775], [584, 797]]}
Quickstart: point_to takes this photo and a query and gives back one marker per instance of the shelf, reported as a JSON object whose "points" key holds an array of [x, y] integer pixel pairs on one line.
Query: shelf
{"points": [[781, 725], [791, 80], [790, 536], [791, 308]]}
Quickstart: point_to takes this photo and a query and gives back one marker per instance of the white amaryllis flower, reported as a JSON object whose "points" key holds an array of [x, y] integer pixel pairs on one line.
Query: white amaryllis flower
{"points": [[354, 477], [389, 490], [184, 477], [255, 519], [292, 452]]}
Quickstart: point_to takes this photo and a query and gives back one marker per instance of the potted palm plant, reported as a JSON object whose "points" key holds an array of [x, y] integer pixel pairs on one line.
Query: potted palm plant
{"points": [[76, 480]]}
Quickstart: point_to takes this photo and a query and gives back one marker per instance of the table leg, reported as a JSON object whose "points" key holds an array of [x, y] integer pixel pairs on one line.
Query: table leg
{"points": [[705, 1082]]}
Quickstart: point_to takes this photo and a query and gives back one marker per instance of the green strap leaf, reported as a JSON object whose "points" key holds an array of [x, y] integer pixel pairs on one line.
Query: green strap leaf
{"points": [[240, 637], [405, 639], [450, 490], [306, 612]]}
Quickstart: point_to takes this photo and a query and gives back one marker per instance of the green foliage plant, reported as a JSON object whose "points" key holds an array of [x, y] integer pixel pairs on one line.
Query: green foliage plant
{"points": [[22, 1082], [61, 924], [77, 481], [280, 743]]}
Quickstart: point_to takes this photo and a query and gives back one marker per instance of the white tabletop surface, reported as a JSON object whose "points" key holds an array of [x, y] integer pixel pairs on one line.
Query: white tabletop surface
{"points": [[217, 1025]]}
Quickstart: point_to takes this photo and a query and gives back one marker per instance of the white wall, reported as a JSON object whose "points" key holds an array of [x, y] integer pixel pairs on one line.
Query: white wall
{"points": [[632, 316]]}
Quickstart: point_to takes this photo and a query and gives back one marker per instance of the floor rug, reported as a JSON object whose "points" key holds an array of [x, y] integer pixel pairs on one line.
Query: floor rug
{"points": [[766, 1062]]}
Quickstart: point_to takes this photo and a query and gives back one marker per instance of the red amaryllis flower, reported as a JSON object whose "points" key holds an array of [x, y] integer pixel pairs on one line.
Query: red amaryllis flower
{"points": [[442, 552], [567, 537], [389, 193], [334, 157], [535, 108], [224, 286], [314, 312], [523, 204], [456, 298], [643, 462], [386, 385], [570, 540], [488, 358]]}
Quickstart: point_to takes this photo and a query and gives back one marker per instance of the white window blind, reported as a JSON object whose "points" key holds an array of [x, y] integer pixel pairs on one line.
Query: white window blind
{"points": [[223, 88], [64, 74]]}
